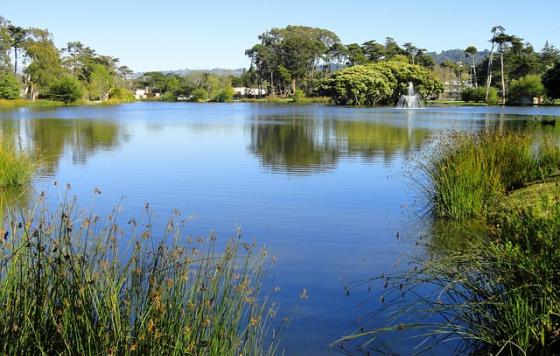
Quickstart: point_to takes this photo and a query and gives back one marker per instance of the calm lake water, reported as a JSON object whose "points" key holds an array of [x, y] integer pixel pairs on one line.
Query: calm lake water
{"points": [[327, 189]]}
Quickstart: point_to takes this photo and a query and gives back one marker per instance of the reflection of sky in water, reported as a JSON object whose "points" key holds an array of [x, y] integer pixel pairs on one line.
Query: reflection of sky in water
{"points": [[324, 187]]}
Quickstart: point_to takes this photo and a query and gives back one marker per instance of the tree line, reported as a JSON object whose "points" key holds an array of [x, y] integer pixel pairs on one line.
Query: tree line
{"points": [[68, 74], [290, 62], [315, 61]]}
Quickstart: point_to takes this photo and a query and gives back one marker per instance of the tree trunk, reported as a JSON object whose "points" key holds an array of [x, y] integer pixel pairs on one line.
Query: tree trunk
{"points": [[474, 71], [15, 60], [489, 76], [503, 79], [271, 83]]}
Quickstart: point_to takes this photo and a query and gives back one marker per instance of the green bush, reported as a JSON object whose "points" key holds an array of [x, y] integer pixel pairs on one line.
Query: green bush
{"points": [[67, 89], [493, 97], [199, 94], [225, 95], [529, 86], [478, 95], [168, 96], [299, 96], [9, 86], [122, 94]]}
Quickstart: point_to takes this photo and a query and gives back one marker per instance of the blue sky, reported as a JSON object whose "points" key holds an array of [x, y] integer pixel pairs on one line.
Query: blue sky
{"points": [[173, 34]]}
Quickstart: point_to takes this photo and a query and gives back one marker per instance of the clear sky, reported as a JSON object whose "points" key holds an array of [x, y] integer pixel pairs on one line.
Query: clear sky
{"points": [[176, 34]]}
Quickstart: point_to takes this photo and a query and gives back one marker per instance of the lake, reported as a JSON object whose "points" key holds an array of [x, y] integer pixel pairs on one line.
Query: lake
{"points": [[330, 191]]}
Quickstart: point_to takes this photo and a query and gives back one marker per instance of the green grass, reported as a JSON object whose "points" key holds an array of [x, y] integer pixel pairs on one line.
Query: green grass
{"points": [[468, 173], [16, 168], [490, 279], [75, 283], [453, 103], [43, 103], [498, 293], [17, 103], [283, 100]]}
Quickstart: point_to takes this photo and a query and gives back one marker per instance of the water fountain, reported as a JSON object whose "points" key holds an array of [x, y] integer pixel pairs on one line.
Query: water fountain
{"points": [[410, 101]]}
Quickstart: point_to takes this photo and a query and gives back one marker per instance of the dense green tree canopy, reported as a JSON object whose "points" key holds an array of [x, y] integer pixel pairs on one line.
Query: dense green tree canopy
{"points": [[378, 83], [529, 87], [45, 65], [299, 50], [9, 85], [67, 89], [551, 81]]}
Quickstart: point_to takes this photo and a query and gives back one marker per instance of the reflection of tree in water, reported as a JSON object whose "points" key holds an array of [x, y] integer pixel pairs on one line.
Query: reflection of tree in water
{"points": [[306, 145], [51, 137], [291, 147], [372, 140]]}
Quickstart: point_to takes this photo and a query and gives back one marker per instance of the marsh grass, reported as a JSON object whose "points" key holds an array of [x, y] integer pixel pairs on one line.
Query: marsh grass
{"points": [[75, 283], [468, 173], [495, 291], [489, 280], [18, 103], [16, 167]]}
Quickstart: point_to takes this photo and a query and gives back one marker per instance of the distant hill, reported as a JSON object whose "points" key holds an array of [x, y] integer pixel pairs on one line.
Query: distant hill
{"points": [[458, 55], [182, 72]]}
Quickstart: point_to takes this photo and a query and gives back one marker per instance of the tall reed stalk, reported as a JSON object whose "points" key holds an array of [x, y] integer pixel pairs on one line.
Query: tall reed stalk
{"points": [[74, 283]]}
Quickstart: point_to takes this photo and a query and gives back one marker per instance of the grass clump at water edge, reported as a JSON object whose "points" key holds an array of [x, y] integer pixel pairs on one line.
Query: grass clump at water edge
{"points": [[495, 291], [498, 294], [16, 167], [468, 173], [74, 283]]}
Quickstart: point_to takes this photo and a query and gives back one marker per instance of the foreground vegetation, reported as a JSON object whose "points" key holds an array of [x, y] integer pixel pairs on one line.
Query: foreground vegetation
{"points": [[72, 282], [468, 175], [493, 288], [16, 167]]}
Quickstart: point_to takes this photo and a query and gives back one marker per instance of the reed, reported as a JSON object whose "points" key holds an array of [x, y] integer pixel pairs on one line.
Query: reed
{"points": [[16, 167], [75, 283], [468, 173]]}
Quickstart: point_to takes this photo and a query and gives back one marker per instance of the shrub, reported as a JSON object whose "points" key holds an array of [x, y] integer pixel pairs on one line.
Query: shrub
{"points": [[122, 94], [493, 97], [225, 95], [529, 86], [67, 89], [9, 86], [199, 94], [299, 96], [168, 96], [478, 95]]}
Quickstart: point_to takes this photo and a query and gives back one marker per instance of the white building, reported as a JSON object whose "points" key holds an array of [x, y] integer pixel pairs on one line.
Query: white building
{"points": [[243, 91]]}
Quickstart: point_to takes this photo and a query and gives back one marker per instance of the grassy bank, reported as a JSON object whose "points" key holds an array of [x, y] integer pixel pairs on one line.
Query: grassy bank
{"points": [[468, 174], [283, 100], [74, 283], [496, 290], [453, 103], [42, 103]]}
